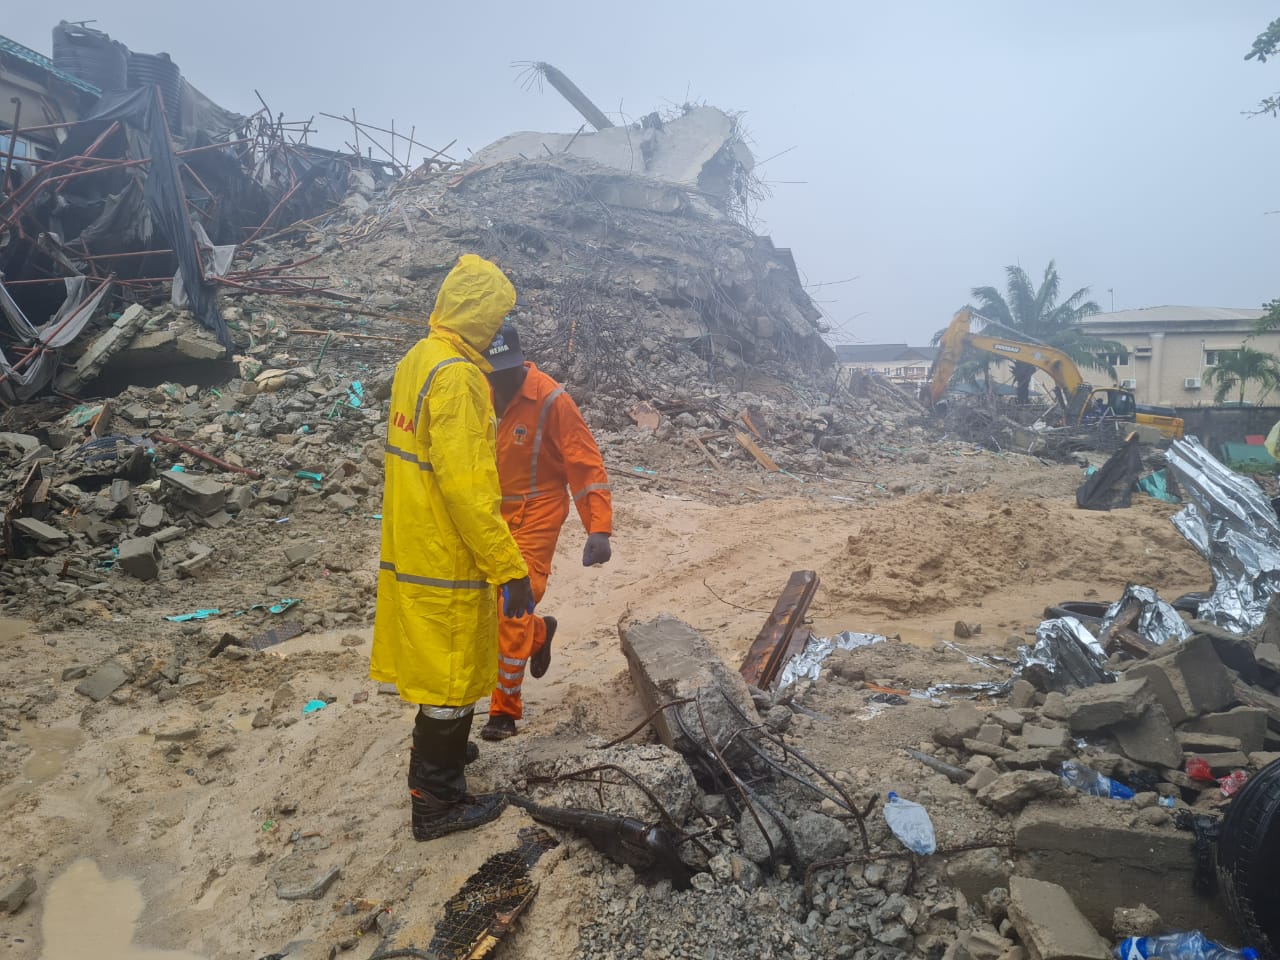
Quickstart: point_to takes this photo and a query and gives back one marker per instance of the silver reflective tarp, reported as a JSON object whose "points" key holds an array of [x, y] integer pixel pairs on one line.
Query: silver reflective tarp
{"points": [[1158, 621], [1065, 654], [807, 664], [1234, 527]]}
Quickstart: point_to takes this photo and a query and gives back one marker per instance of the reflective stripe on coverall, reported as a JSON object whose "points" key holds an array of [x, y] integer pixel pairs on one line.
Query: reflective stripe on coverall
{"points": [[445, 544], [546, 455]]}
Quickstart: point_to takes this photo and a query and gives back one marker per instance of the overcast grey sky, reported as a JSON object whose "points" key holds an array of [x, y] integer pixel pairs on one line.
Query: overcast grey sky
{"points": [[935, 141]]}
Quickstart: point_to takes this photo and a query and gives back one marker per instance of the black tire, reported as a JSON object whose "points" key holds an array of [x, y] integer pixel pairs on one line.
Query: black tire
{"points": [[1086, 611], [1190, 603], [1249, 861]]}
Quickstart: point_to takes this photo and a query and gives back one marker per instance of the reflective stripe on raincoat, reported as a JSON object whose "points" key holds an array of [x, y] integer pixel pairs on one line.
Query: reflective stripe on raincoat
{"points": [[445, 545]]}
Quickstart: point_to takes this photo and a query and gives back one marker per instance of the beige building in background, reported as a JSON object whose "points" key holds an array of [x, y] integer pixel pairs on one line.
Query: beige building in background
{"points": [[1170, 350]]}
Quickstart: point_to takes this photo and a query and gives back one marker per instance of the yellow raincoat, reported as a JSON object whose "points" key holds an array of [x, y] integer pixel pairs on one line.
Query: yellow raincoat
{"points": [[445, 545]]}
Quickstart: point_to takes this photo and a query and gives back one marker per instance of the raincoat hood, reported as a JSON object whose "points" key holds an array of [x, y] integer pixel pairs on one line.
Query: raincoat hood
{"points": [[473, 301]]}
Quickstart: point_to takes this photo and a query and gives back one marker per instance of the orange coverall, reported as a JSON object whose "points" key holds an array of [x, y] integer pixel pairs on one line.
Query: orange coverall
{"points": [[546, 455]]}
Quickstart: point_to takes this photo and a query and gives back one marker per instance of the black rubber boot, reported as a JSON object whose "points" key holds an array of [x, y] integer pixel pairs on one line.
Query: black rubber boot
{"points": [[434, 818], [437, 784], [500, 727], [439, 756], [540, 662]]}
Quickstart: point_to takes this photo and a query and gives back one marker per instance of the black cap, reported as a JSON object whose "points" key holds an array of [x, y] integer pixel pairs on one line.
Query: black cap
{"points": [[504, 353]]}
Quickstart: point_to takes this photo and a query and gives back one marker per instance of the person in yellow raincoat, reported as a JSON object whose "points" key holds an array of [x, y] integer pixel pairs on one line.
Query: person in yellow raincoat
{"points": [[445, 545]]}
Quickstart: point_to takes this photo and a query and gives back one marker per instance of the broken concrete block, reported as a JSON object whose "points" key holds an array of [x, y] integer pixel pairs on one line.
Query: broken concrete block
{"points": [[118, 336], [300, 553], [103, 682], [140, 558], [982, 777], [240, 499], [1221, 763], [984, 748], [1010, 792], [1011, 720], [1139, 921], [1022, 695], [984, 943], [151, 518], [201, 495], [1268, 656], [1049, 924], [1037, 759], [15, 891], [754, 846], [40, 531], [1103, 860], [960, 722], [1036, 737], [199, 562], [1055, 706], [1197, 675], [198, 348], [991, 733], [976, 872], [1162, 687], [1104, 704], [1149, 740], [1262, 758], [343, 502], [669, 660], [1194, 742], [819, 838]]}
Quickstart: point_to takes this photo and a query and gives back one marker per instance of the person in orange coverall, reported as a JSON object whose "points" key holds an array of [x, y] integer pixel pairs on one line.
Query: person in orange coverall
{"points": [[546, 458]]}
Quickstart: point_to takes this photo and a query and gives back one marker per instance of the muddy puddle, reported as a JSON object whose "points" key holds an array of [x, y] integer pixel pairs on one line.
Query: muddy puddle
{"points": [[50, 749], [88, 915]]}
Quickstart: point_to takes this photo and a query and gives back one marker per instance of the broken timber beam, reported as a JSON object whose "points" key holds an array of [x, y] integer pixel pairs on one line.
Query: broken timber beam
{"points": [[781, 637], [753, 448], [1120, 633]]}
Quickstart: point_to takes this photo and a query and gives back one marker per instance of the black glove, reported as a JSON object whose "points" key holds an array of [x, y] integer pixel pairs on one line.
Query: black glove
{"points": [[597, 550], [517, 598]]}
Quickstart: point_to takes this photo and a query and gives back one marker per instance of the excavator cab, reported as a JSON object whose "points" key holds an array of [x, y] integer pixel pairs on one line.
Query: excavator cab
{"points": [[1108, 403]]}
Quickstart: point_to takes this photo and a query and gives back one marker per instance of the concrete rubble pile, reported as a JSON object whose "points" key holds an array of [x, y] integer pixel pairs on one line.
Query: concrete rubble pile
{"points": [[824, 877], [666, 318]]}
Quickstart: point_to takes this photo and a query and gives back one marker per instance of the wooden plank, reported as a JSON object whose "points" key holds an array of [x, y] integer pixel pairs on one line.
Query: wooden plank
{"points": [[779, 638], [752, 448], [702, 448]]}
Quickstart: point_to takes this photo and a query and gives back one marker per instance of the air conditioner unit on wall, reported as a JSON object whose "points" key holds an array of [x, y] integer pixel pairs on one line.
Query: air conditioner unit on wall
{"points": [[1191, 383], [1129, 384]]}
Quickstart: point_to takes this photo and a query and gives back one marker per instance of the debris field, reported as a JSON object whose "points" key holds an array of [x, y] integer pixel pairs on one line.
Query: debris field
{"points": [[191, 488]]}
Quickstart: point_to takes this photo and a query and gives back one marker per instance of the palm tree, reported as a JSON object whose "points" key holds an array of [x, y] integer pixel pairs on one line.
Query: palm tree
{"points": [[1238, 368], [1038, 314]]}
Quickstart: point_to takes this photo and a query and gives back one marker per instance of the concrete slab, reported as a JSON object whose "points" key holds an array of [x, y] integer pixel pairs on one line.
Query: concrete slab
{"points": [[669, 660], [1050, 925], [1105, 704]]}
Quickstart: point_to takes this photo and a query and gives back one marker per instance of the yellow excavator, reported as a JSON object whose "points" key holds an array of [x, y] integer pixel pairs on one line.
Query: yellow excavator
{"points": [[1081, 403]]}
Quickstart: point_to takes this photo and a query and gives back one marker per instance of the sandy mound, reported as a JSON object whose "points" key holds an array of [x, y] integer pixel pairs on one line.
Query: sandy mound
{"points": [[929, 553]]}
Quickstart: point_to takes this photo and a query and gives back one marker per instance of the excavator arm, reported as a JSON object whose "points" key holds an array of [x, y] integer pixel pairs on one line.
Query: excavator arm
{"points": [[1066, 375]]}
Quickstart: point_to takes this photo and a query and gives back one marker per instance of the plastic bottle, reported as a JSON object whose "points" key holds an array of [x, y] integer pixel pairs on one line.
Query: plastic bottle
{"points": [[1079, 777], [910, 823], [1179, 946]]}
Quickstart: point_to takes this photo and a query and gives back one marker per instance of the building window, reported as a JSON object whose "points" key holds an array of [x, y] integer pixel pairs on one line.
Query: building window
{"points": [[1211, 358], [1114, 359]]}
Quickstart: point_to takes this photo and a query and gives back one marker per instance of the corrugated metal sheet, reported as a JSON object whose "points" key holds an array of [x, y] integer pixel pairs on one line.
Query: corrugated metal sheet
{"points": [[14, 49]]}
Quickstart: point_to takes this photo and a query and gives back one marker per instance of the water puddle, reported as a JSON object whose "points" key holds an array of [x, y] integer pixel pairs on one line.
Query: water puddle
{"points": [[50, 747], [87, 915], [11, 629]]}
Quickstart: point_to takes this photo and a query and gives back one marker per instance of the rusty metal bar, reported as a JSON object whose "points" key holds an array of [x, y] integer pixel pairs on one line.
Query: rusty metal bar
{"points": [[274, 210], [780, 637], [41, 347], [206, 457]]}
